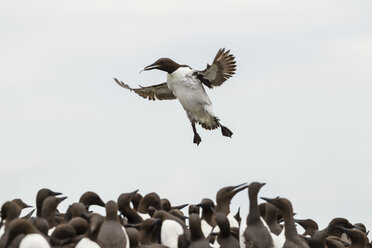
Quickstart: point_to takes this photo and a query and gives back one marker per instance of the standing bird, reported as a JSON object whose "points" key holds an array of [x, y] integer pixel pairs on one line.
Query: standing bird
{"points": [[225, 238], [256, 234], [223, 200], [126, 210], [28, 234], [186, 84], [292, 239], [42, 194], [111, 233], [197, 238]]}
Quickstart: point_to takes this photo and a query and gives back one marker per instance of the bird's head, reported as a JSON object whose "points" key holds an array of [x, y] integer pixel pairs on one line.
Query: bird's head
{"points": [[163, 64]]}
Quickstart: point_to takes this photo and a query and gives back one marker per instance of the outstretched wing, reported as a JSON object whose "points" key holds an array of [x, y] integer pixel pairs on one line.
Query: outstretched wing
{"points": [[159, 91], [222, 68]]}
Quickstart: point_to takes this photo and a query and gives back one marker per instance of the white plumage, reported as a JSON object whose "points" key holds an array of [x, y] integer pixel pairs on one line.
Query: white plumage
{"points": [[34, 240], [206, 228], [87, 243], [192, 96], [186, 85], [170, 230]]}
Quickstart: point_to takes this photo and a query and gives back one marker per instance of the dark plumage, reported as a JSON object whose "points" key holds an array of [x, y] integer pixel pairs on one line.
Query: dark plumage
{"points": [[225, 238], [111, 234], [42, 194], [150, 199], [125, 209], [309, 225], [256, 235], [225, 195], [271, 218], [49, 208], [293, 240], [23, 227], [358, 238], [197, 238], [90, 198]]}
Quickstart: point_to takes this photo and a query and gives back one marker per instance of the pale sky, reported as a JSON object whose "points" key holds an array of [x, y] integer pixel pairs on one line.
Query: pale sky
{"points": [[299, 104]]}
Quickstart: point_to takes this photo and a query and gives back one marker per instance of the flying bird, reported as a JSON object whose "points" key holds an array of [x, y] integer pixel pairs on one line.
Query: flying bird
{"points": [[186, 85]]}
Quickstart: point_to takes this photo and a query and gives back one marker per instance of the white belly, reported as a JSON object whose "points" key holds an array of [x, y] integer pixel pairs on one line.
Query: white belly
{"points": [[34, 241], [2, 230], [170, 230], [206, 228], [144, 216], [191, 94], [87, 243]]}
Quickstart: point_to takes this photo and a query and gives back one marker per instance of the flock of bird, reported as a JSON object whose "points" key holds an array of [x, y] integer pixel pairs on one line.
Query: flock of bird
{"points": [[134, 220]]}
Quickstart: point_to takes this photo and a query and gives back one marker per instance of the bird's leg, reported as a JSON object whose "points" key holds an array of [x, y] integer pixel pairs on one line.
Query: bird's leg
{"points": [[225, 131], [197, 138]]}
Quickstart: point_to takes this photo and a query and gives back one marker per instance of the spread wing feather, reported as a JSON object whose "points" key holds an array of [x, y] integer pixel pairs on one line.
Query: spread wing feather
{"points": [[222, 68], [159, 91]]}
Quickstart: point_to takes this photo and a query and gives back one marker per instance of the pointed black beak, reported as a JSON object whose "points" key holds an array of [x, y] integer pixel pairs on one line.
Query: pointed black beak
{"points": [[343, 229], [29, 214], [150, 67], [239, 188], [267, 199], [180, 206], [137, 226], [85, 216], [100, 203], [57, 193], [134, 192], [62, 199]]}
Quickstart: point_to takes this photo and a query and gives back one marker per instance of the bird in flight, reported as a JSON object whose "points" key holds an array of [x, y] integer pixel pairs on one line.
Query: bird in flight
{"points": [[186, 85]]}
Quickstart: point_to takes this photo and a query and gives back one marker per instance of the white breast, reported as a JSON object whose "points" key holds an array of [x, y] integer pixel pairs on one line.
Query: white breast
{"points": [[2, 229], [144, 216], [87, 243], [126, 238], [186, 87], [191, 94], [278, 240], [233, 222], [51, 230], [34, 241], [170, 230], [206, 228]]}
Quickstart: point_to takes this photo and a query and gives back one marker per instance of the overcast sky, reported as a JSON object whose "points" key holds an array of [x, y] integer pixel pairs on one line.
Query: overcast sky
{"points": [[300, 103]]}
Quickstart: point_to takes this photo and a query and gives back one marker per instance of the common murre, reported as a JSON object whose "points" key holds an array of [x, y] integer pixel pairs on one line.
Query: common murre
{"points": [[111, 233], [256, 233], [41, 195], [225, 237], [91, 198], [207, 219], [149, 200], [223, 200], [31, 237], [292, 239], [171, 229], [197, 237], [125, 209], [186, 85]]}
